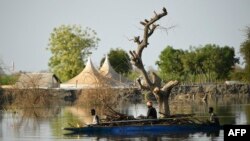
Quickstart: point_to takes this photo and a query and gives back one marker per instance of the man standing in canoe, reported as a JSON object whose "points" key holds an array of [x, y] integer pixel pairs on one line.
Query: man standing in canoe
{"points": [[152, 114]]}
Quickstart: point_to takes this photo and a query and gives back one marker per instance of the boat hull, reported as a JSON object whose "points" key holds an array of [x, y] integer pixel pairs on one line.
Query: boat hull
{"points": [[143, 129]]}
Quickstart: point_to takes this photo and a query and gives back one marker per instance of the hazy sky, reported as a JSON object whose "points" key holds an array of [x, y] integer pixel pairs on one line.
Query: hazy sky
{"points": [[25, 26]]}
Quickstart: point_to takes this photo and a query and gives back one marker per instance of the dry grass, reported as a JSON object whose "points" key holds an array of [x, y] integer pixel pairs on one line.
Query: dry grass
{"points": [[29, 101], [99, 98]]}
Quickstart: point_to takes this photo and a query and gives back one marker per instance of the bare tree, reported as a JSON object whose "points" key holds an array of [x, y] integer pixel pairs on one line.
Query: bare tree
{"points": [[153, 83]]}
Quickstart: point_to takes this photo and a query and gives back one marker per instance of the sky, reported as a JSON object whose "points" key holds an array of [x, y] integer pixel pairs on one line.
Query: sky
{"points": [[25, 26]]}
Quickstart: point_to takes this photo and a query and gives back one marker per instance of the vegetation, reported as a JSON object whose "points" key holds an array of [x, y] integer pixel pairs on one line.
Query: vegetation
{"points": [[119, 60], [31, 98], [245, 51], [170, 63], [8, 79], [133, 75], [99, 97], [70, 46], [30, 105], [205, 63], [238, 73]]}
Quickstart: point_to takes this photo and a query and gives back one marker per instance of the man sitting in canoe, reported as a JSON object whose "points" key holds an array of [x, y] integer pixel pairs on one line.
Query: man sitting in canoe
{"points": [[95, 117], [151, 114], [213, 118]]}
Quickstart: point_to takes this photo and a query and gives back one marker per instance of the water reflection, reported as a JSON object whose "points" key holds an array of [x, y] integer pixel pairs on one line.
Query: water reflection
{"points": [[46, 123], [1, 119], [157, 137], [247, 112]]}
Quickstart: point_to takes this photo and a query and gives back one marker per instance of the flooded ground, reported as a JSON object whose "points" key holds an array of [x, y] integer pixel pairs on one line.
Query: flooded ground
{"points": [[45, 124]]}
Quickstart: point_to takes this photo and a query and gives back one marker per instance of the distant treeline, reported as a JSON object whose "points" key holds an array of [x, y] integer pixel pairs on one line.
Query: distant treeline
{"points": [[208, 63]]}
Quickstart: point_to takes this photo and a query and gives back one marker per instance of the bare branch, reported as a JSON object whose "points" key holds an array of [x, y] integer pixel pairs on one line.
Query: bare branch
{"points": [[144, 24], [164, 10], [153, 84], [132, 55], [135, 54], [169, 85], [157, 91], [166, 29], [149, 28], [152, 29], [156, 79], [142, 87], [137, 40], [128, 38], [155, 13], [149, 31]]}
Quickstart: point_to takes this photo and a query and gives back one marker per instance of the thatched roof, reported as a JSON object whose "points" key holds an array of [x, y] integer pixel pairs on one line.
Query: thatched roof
{"points": [[89, 77], [108, 71], [38, 80]]}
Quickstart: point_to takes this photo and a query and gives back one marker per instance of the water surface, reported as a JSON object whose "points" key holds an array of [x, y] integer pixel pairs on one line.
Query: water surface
{"points": [[45, 124]]}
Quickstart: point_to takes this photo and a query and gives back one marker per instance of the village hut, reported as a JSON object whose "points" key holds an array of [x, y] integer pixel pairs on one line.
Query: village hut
{"points": [[38, 80], [107, 71], [88, 78]]}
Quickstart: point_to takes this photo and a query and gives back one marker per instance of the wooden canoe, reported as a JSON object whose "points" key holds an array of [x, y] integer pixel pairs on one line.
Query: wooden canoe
{"points": [[130, 129]]}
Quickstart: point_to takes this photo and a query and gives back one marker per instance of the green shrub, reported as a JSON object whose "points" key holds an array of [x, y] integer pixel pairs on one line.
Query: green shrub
{"points": [[8, 79]]}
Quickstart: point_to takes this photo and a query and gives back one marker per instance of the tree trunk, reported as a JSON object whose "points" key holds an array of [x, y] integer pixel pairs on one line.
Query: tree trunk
{"points": [[153, 84], [164, 109], [162, 96]]}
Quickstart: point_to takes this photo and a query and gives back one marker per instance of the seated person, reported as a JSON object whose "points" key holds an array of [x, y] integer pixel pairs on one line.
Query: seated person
{"points": [[213, 118], [95, 117], [151, 114]]}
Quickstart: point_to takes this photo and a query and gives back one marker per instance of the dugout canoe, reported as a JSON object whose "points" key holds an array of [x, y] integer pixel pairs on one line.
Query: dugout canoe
{"points": [[142, 129]]}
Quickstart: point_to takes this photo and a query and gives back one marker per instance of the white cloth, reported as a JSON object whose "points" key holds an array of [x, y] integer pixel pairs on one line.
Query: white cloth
{"points": [[95, 119]]}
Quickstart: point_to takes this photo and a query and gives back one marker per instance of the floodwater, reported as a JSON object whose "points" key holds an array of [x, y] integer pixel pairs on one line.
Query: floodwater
{"points": [[46, 124]]}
